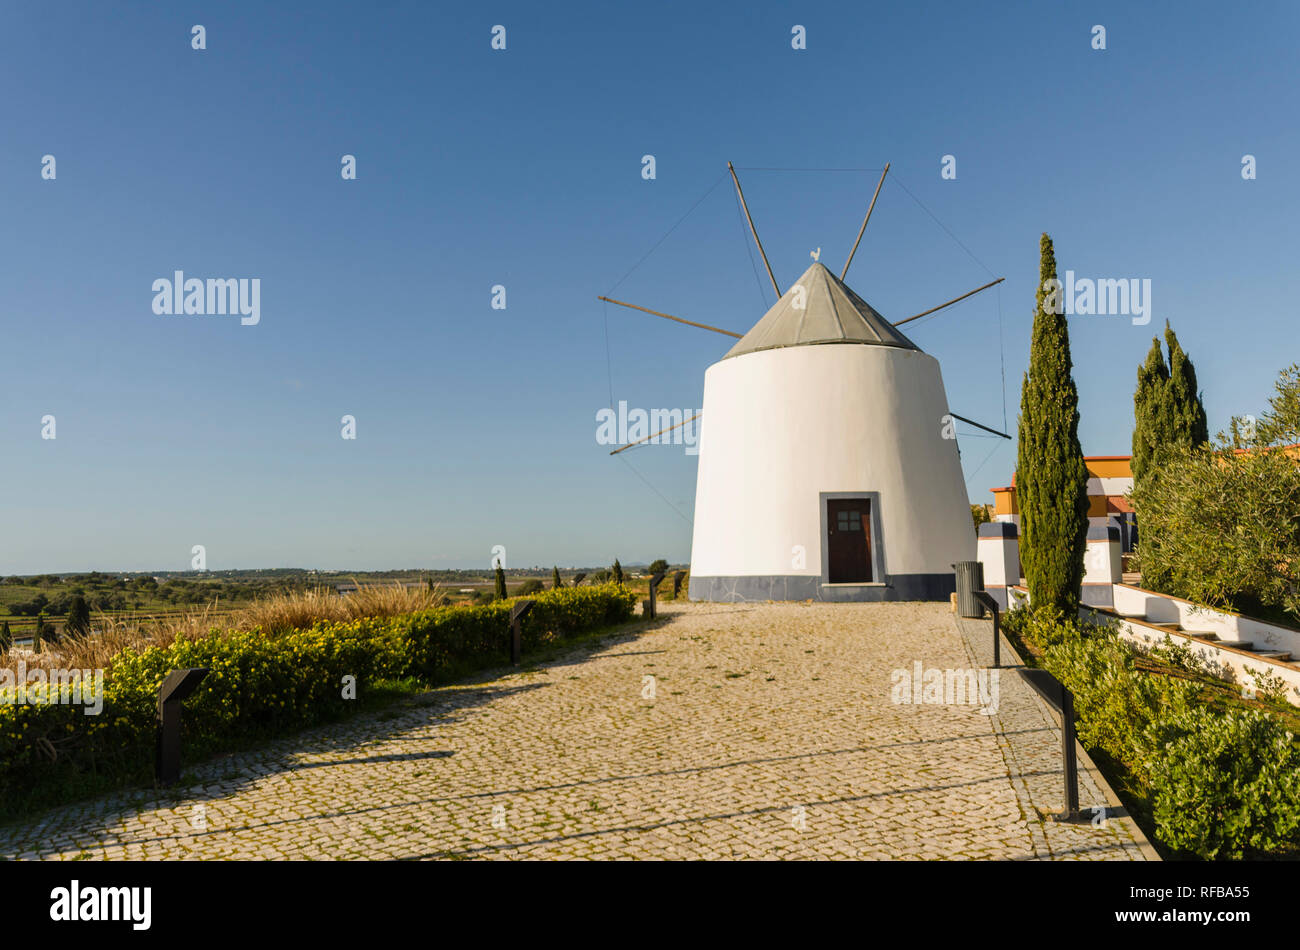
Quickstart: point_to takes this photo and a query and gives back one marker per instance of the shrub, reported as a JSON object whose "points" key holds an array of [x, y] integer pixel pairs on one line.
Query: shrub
{"points": [[617, 572], [1227, 517], [1229, 528], [262, 684], [530, 586], [1118, 707], [1041, 627], [1222, 784], [1227, 785]]}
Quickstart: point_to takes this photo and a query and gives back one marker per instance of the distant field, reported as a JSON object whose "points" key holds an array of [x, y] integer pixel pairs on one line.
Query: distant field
{"points": [[138, 596]]}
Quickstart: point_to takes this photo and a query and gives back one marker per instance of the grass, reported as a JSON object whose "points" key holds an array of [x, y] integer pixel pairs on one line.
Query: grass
{"points": [[273, 614], [179, 599]]}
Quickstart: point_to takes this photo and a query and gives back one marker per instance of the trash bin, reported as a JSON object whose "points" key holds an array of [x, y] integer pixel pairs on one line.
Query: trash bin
{"points": [[970, 578]]}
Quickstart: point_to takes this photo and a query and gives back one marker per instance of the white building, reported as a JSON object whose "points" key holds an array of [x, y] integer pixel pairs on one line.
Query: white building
{"points": [[828, 469]]}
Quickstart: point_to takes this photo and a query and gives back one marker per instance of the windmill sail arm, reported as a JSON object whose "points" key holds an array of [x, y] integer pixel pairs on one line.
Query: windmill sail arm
{"points": [[754, 231], [669, 316], [631, 445], [972, 422], [926, 313], [871, 207]]}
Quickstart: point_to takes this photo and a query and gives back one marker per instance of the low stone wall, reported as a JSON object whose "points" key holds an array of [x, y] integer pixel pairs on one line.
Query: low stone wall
{"points": [[1140, 611], [1133, 601]]}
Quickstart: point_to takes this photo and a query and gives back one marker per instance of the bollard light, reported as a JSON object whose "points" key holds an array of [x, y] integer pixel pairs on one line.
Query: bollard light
{"points": [[176, 688], [655, 581], [518, 612]]}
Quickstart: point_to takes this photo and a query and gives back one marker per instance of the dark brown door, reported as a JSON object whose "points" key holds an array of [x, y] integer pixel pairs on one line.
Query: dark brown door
{"points": [[848, 522]]}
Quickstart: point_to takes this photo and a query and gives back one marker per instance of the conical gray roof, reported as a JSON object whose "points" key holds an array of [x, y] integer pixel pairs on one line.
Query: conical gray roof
{"points": [[830, 313]]}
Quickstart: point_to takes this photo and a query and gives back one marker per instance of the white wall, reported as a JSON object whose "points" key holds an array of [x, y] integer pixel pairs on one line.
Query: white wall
{"points": [[781, 426], [1001, 560], [1101, 562], [1110, 485], [1161, 608]]}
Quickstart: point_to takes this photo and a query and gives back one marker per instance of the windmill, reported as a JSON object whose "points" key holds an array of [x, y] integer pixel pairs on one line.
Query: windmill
{"points": [[828, 469]]}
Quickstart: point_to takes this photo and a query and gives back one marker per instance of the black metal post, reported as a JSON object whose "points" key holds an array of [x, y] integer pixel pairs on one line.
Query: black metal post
{"points": [[1062, 700], [1067, 754], [517, 614], [176, 688], [985, 598], [655, 581]]}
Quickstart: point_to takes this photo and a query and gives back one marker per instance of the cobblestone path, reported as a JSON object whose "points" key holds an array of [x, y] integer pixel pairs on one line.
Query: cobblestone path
{"points": [[719, 731]]}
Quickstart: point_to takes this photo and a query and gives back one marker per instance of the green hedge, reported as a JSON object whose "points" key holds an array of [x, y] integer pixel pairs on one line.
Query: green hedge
{"points": [[1227, 784], [264, 685], [1222, 782]]}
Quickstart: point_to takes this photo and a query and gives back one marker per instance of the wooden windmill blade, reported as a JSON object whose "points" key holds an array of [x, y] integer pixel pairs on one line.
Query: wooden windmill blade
{"points": [[969, 293], [752, 230], [862, 230], [632, 445], [669, 316]]}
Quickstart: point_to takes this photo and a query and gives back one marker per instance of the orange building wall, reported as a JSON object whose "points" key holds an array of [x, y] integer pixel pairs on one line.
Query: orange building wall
{"points": [[1099, 466]]}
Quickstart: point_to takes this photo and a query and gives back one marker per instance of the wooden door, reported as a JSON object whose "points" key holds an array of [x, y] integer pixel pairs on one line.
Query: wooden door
{"points": [[848, 525]]}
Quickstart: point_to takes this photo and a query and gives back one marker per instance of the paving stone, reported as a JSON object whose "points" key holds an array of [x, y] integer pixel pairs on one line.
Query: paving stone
{"points": [[570, 762]]}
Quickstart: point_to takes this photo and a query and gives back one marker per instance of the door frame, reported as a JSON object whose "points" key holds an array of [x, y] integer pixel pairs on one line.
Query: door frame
{"points": [[877, 543]]}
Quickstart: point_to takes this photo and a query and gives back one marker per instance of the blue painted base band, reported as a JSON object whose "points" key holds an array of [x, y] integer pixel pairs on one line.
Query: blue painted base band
{"points": [[802, 587]]}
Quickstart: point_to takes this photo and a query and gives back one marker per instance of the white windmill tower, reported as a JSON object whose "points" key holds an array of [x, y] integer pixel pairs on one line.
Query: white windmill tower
{"points": [[828, 468]]}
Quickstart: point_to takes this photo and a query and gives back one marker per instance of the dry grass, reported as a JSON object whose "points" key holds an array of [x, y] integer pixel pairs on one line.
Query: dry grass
{"points": [[273, 614]]}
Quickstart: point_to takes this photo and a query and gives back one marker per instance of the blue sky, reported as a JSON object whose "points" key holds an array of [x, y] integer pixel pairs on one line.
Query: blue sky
{"points": [[476, 427]]}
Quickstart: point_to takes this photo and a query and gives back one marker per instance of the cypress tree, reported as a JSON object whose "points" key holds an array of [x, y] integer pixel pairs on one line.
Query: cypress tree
{"points": [[1051, 477], [78, 622], [618, 573], [6, 638], [501, 583], [1168, 412], [556, 583], [1190, 427], [1152, 416]]}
